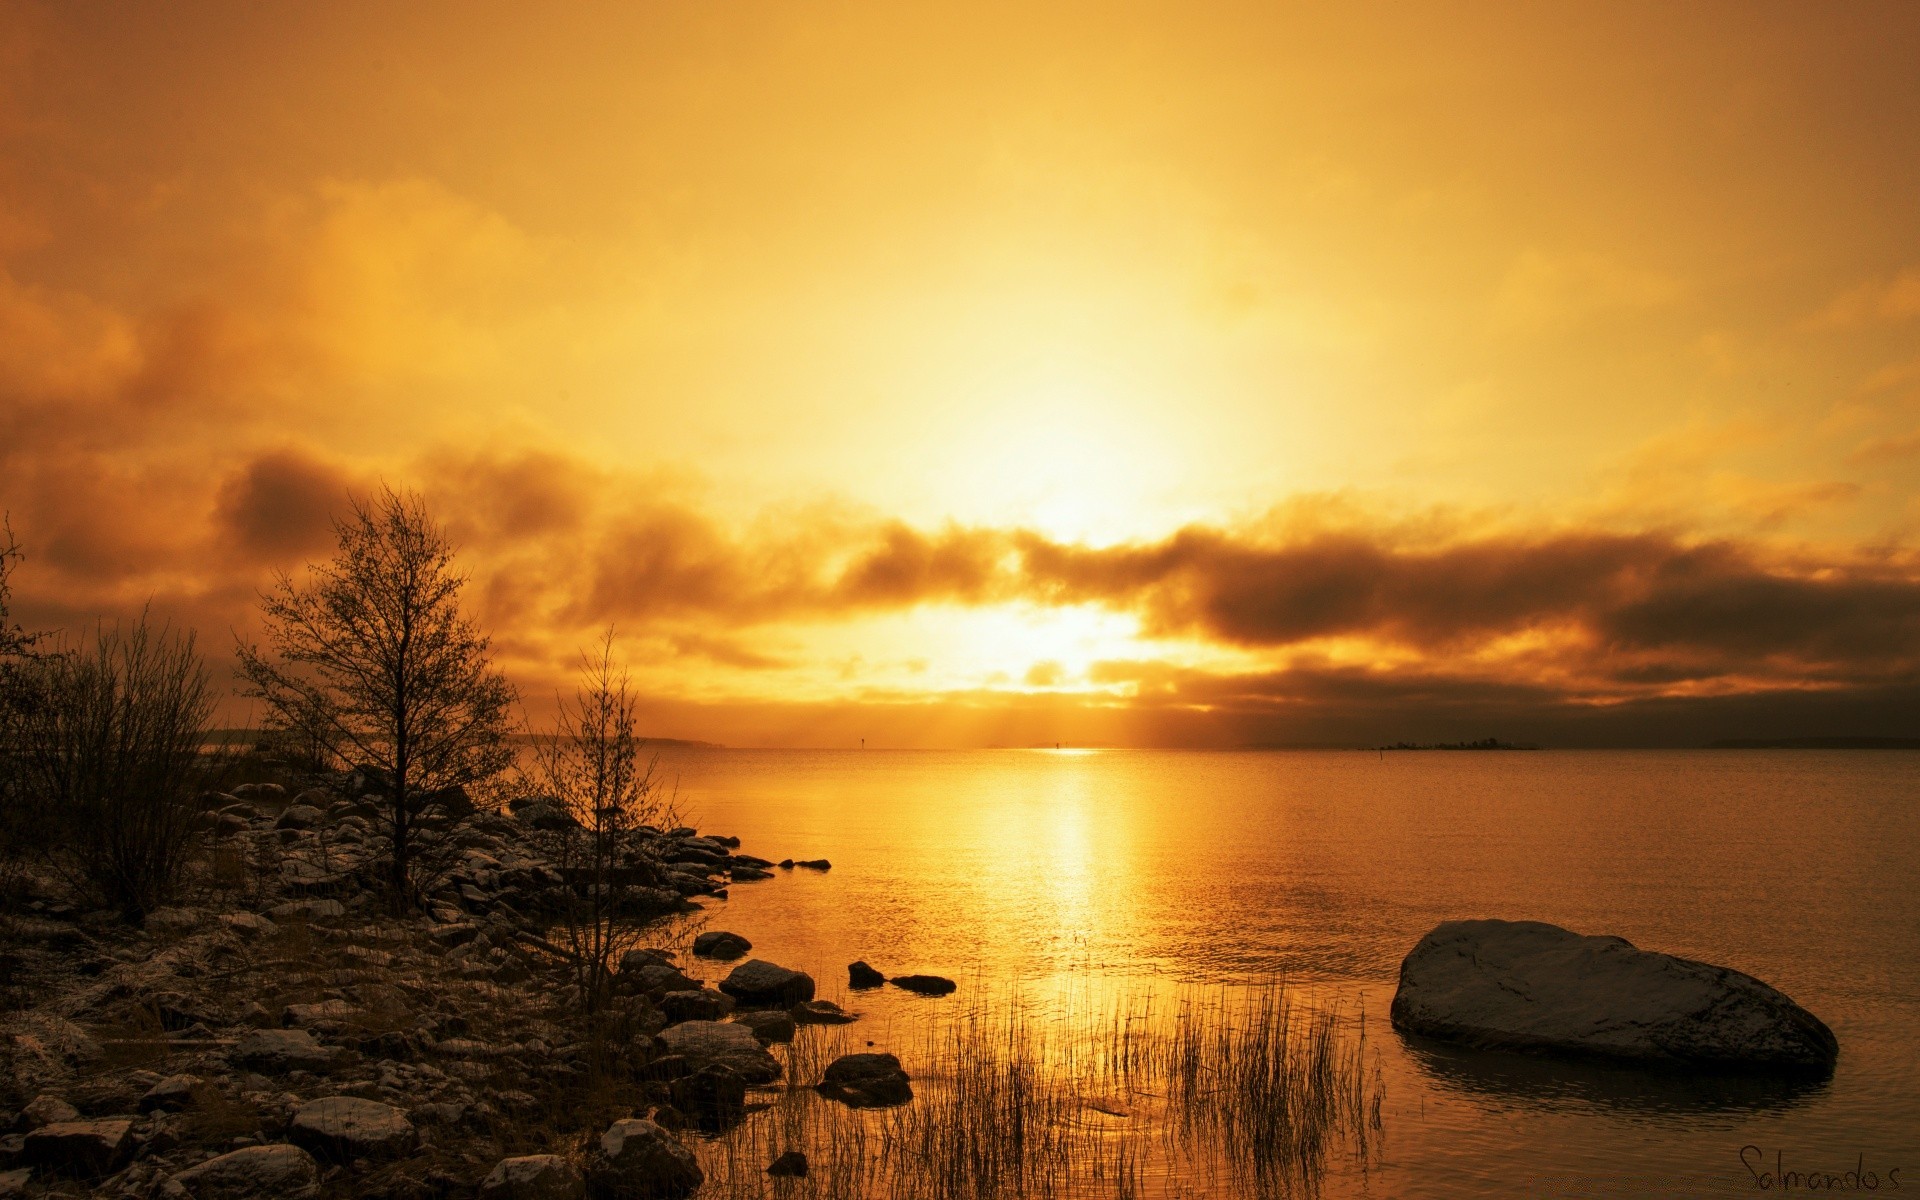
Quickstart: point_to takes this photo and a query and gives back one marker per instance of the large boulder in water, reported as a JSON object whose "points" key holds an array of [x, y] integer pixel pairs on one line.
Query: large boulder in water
{"points": [[865, 1081], [1527, 985]]}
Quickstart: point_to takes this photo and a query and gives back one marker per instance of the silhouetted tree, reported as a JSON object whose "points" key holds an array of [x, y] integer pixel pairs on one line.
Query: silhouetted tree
{"points": [[592, 766], [373, 661]]}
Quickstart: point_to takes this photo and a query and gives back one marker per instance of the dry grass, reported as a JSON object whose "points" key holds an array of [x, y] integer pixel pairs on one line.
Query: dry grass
{"points": [[1240, 1090]]}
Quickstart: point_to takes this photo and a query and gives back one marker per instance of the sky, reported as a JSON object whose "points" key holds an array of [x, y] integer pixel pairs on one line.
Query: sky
{"points": [[1002, 374]]}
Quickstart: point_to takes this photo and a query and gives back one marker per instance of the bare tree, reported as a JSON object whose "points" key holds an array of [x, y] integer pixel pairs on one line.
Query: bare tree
{"points": [[110, 760], [373, 661], [592, 766]]}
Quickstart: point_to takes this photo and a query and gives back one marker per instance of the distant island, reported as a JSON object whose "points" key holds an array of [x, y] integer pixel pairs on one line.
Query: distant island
{"points": [[1483, 744], [1817, 743]]}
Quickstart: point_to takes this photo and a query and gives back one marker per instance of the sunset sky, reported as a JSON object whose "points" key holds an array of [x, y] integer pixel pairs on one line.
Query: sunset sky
{"points": [[1198, 374]]}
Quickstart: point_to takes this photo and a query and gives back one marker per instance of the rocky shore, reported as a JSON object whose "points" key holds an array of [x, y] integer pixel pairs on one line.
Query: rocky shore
{"points": [[288, 1035]]}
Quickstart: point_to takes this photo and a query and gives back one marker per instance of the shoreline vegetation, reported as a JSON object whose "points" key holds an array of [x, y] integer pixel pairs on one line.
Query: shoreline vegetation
{"points": [[394, 947]]}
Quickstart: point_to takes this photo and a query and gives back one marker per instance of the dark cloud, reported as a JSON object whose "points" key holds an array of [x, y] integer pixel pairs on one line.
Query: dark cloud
{"points": [[1620, 596], [280, 506]]}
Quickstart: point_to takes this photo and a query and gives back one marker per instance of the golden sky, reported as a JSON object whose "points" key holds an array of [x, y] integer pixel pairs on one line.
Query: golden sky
{"points": [[998, 374]]}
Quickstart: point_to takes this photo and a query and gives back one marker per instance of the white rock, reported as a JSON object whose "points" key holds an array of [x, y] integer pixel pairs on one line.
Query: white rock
{"points": [[534, 1177], [638, 1158], [1526, 985], [342, 1128], [703, 1043], [266, 1172]]}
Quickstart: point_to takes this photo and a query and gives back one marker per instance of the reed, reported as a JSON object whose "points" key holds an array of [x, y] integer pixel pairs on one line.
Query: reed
{"points": [[1242, 1089]]}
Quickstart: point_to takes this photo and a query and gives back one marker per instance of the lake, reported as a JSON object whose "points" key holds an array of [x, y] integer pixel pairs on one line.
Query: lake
{"points": [[1015, 869]]}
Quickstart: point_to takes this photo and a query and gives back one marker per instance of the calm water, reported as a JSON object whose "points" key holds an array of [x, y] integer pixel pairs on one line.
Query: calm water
{"points": [[1149, 867]]}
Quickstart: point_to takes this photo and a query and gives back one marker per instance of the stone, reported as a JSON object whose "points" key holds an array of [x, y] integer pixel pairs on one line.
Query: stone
{"points": [[822, 1012], [791, 1165], [721, 945], [172, 1094], [534, 1177], [308, 910], [860, 975], [452, 804], [343, 1128], [924, 985], [1530, 986], [658, 980], [254, 1173], [768, 1024], [758, 983], [300, 816], [171, 920], [633, 960], [88, 1149], [249, 925], [304, 1016], [714, 1097], [637, 1158], [746, 874], [47, 1110], [703, 1004], [277, 1051], [14, 1183], [814, 864], [259, 791], [701, 1043], [865, 1081]]}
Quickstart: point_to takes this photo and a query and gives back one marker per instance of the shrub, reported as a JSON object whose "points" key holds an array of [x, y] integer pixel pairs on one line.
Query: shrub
{"points": [[109, 760]]}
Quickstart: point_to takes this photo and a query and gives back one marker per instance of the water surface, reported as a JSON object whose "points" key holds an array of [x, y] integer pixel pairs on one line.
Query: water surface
{"points": [[1153, 868]]}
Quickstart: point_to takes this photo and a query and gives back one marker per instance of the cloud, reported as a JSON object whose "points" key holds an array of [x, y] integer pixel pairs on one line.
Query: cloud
{"points": [[280, 506], [1874, 302]]}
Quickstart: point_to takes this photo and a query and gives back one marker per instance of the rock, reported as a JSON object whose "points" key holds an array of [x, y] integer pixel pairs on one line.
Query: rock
{"points": [[814, 864], [865, 1081], [259, 791], [452, 804], [534, 1177], [300, 816], [637, 1158], [701, 1043], [758, 983], [277, 1051], [171, 920], [822, 1012], [705, 1004], [343, 1128], [88, 1149], [14, 1183], [303, 1016], [1527, 985], [791, 1165], [248, 924], [171, 1094], [768, 1024], [721, 945], [546, 815], [655, 979], [715, 1097], [633, 960], [925, 985], [47, 1110], [860, 975], [746, 874], [308, 910], [254, 1173]]}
